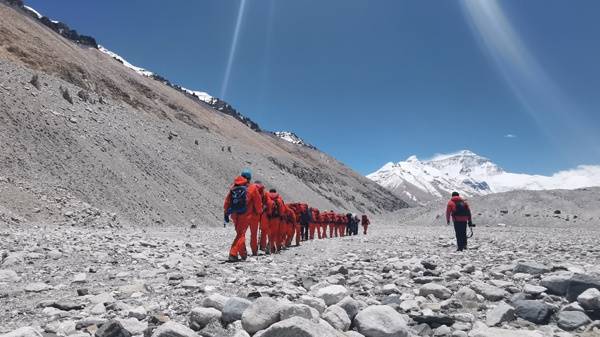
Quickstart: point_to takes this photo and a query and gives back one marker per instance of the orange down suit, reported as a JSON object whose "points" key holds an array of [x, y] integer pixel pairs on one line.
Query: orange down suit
{"points": [[244, 220]]}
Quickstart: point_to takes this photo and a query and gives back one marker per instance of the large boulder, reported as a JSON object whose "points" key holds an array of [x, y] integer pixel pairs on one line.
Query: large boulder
{"points": [[380, 321], [437, 290], [313, 302], [532, 268], [261, 314], [537, 312], [589, 299], [557, 284], [200, 317], [233, 309], [332, 294], [500, 314], [571, 320], [580, 283], [173, 329], [337, 317], [298, 327]]}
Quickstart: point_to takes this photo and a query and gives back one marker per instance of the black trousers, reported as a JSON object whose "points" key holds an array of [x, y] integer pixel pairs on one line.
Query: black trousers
{"points": [[304, 232], [460, 227]]}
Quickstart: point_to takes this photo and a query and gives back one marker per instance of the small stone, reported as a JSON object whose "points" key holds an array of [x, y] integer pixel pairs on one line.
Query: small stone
{"points": [[233, 309], [173, 329], [532, 268], [332, 294], [437, 290], [37, 287], [537, 312], [200, 317], [112, 329], [337, 317], [381, 321], [500, 314], [7, 275], [216, 301]]}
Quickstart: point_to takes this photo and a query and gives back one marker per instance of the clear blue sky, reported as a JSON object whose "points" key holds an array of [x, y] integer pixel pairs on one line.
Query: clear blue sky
{"points": [[376, 81]]}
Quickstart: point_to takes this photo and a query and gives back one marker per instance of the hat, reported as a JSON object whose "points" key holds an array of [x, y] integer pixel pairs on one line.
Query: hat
{"points": [[247, 173], [455, 194]]}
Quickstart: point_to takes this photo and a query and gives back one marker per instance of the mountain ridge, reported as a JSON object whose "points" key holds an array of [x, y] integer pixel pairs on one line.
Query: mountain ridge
{"points": [[472, 175]]}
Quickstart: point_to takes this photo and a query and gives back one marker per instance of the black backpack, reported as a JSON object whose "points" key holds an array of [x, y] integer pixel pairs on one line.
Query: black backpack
{"points": [[461, 209], [238, 199], [275, 212]]}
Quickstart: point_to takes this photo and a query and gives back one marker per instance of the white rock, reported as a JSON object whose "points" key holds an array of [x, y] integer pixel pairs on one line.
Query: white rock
{"points": [[261, 314], [380, 321], [200, 317], [216, 301], [23, 332], [500, 314], [337, 317], [7, 275], [172, 329], [437, 290], [590, 299], [298, 327], [332, 294]]}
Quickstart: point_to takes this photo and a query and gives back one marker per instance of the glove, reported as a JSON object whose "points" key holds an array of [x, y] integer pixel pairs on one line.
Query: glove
{"points": [[471, 224], [226, 218]]}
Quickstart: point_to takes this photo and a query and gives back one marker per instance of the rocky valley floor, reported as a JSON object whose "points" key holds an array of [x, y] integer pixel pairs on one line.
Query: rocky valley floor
{"points": [[396, 281]]}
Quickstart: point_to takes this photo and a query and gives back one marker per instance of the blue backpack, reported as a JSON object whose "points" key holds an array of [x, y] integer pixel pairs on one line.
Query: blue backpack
{"points": [[238, 199]]}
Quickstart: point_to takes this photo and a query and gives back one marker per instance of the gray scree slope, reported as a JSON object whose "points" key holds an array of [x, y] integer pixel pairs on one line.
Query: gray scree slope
{"points": [[133, 150]]}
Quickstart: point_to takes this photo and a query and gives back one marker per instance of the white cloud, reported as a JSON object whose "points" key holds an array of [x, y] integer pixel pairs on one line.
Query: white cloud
{"points": [[510, 135]]}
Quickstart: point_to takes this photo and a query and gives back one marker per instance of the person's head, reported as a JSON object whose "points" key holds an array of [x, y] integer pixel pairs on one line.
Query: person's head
{"points": [[260, 186], [272, 190], [455, 194], [247, 173]]}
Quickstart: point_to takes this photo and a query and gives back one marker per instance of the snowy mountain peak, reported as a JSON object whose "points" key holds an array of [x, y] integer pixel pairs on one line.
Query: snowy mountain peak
{"points": [[292, 138], [470, 174]]}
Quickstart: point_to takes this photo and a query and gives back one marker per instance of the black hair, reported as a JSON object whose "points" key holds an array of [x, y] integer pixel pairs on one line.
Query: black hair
{"points": [[455, 194]]}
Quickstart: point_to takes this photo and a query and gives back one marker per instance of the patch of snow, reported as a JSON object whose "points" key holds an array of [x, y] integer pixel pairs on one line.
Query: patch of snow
{"points": [[39, 16], [292, 138], [115, 56], [201, 95]]}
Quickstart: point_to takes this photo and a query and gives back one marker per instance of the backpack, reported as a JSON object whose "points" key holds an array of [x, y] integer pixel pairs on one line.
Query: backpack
{"points": [[460, 209], [275, 212], [238, 199]]}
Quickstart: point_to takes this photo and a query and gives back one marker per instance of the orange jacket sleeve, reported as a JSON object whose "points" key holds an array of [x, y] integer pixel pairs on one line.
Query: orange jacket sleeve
{"points": [[449, 210], [255, 200], [227, 202]]}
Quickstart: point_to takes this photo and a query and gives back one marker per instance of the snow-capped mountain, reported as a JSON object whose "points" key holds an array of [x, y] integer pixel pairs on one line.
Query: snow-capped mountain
{"points": [[471, 175], [292, 138]]}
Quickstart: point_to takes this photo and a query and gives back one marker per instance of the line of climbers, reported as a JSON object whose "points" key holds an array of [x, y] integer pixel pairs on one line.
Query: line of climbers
{"points": [[250, 205]]}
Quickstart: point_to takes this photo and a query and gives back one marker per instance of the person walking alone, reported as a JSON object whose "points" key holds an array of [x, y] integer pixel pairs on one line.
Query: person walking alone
{"points": [[460, 212]]}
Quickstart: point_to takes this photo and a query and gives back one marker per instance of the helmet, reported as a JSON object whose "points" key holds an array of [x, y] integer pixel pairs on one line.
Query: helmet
{"points": [[247, 173]]}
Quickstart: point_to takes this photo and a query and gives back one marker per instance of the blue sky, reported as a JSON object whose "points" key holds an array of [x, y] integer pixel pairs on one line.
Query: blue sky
{"points": [[376, 81]]}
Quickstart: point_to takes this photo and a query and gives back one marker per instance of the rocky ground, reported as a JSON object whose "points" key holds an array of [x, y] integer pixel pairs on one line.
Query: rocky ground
{"points": [[397, 281]]}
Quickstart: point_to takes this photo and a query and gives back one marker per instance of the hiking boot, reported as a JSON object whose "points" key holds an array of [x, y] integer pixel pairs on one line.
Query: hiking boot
{"points": [[233, 258], [244, 257]]}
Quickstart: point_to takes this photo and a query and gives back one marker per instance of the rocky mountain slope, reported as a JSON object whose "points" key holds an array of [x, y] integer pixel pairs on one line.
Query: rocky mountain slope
{"points": [[85, 139], [472, 175]]}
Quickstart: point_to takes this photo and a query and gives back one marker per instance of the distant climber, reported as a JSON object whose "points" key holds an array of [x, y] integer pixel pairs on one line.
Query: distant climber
{"points": [[243, 203], [460, 212], [275, 211], [365, 223]]}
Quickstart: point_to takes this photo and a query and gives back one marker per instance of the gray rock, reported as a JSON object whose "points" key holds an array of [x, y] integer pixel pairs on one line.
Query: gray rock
{"points": [[590, 299], [488, 291], [23, 332], [442, 331], [261, 314], [557, 284], [533, 289], [173, 329], [332, 294], [337, 317], [112, 328], [233, 309], [500, 314], [103, 298], [466, 294], [200, 317], [138, 313], [353, 334], [380, 321], [537, 312], [573, 307], [133, 326], [351, 306], [299, 310], [7, 275], [317, 303], [496, 332], [214, 329], [437, 290], [297, 327], [216, 301], [37, 287], [532, 268], [580, 283], [571, 320]]}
